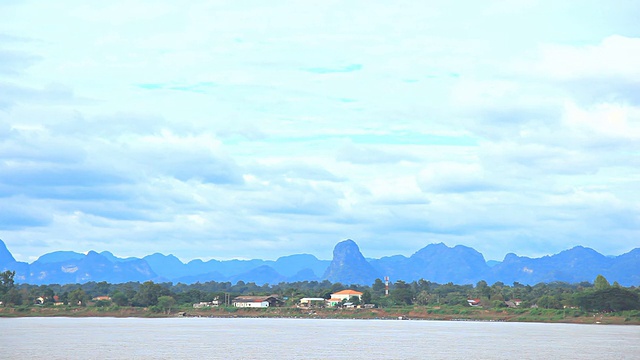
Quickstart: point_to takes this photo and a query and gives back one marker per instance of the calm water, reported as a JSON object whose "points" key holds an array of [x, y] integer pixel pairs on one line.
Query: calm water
{"points": [[191, 338]]}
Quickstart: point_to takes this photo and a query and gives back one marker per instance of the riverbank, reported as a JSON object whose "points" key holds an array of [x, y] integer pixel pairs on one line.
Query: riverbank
{"points": [[408, 313]]}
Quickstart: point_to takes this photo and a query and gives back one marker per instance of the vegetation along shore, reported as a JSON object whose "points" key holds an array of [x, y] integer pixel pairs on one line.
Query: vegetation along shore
{"points": [[584, 303]]}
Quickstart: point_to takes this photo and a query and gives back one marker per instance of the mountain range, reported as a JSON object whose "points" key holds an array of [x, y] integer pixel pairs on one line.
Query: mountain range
{"points": [[436, 262]]}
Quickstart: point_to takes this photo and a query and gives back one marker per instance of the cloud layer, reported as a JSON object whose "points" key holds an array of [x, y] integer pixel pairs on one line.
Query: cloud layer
{"points": [[246, 130]]}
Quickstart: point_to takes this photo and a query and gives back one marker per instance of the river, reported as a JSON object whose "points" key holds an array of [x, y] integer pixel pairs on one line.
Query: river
{"points": [[237, 338]]}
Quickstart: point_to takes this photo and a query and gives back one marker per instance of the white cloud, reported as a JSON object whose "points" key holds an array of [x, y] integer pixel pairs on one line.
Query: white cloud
{"points": [[616, 57], [286, 127], [454, 178]]}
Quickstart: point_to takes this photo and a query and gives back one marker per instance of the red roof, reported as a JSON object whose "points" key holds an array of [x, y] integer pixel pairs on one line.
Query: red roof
{"points": [[347, 292]]}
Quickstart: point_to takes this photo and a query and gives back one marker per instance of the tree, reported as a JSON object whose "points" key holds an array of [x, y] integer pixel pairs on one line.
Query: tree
{"points": [[549, 302], [366, 297], [101, 288], [423, 285], [423, 298], [6, 281], [119, 298], [149, 293], [378, 287], [483, 289], [610, 299], [166, 303], [13, 297], [601, 283], [77, 298], [47, 294], [402, 293], [64, 297], [6, 285]]}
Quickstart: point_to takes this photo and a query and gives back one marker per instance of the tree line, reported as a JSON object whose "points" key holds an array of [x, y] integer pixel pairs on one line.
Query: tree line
{"points": [[597, 296]]}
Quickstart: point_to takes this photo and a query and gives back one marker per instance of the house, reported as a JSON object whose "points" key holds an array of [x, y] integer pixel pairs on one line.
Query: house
{"points": [[513, 303], [344, 295], [257, 301], [474, 302], [206, 304], [311, 302], [101, 298]]}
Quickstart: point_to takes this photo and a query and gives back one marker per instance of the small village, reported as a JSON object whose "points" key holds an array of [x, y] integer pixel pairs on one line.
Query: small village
{"points": [[343, 299]]}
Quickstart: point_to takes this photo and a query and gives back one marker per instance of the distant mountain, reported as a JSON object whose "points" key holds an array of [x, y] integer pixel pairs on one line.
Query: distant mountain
{"points": [[6, 257], [261, 275], [167, 266], [171, 268], [435, 262], [114, 258], [349, 266], [59, 256], [573, 266], [90, 267], [304, 275], [291, 265], [625, 268]]}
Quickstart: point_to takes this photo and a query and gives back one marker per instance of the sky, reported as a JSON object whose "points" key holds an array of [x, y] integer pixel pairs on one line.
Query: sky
{"points": [[254, 129]]}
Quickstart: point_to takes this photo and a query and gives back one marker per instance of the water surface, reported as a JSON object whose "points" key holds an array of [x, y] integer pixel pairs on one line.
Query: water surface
{"points": [[220, 338]]}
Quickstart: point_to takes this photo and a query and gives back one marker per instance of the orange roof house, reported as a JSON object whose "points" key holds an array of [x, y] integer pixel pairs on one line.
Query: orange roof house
{"points": [[346, 295]]}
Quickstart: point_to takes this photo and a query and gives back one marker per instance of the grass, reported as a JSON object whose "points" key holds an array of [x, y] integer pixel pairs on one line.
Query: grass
{"points": [[411, 312]]}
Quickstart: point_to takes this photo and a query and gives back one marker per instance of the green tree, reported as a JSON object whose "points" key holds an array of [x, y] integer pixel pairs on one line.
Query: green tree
{"points": [[13, 297], [64, 297], [6, 285], [6, 281], [402, 293], [149, 293], [366, 297], [549, 302], [166, 303], [119, 298], [378, 287], [77, 298], [423, 298], [101, 288], [483, 289], [610, 299], [601, 283], [47, 294]]}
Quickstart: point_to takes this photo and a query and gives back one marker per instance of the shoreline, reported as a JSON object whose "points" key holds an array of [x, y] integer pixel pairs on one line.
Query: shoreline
{"points": [[434, 314]]}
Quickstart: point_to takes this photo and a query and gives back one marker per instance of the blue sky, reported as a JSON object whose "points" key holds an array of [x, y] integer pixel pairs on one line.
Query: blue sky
{"points": [[252, 129]]}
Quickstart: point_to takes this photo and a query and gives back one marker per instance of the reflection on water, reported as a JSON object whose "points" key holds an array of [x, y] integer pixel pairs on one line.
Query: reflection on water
{"points": [[189, 338]]}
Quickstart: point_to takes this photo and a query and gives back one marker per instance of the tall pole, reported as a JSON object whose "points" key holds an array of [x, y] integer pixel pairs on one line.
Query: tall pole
{"points": [[386, 286]]}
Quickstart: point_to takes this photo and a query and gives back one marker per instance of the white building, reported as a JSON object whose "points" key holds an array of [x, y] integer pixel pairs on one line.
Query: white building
{"points": [[308, 302], [344, 295], [257, 301]]}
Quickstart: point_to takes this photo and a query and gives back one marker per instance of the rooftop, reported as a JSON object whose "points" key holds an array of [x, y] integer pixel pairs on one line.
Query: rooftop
{"points": [[347, 292]]}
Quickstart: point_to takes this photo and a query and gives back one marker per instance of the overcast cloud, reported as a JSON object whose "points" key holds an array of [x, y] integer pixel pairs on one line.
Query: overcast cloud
{"points": [[252, 129]]}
